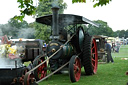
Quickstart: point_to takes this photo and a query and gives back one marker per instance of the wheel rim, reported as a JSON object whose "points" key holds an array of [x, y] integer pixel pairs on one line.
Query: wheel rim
{"points": [[28, 79], [94, 56], [77, 69], [25, 71], [41, 71]]}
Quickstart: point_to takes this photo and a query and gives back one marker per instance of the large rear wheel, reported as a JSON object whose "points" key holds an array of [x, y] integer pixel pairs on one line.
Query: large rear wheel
{"points": [[90, 56], [74, 68]]}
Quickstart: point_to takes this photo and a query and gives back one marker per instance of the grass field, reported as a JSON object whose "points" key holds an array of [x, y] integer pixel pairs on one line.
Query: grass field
{"points": [[107, 74]]}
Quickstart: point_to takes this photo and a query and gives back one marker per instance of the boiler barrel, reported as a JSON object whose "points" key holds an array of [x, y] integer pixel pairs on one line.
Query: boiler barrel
{"points": [[67, 51]]}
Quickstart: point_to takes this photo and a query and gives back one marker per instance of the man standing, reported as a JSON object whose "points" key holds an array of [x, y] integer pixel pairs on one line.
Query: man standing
{"points": [[108, 50]]}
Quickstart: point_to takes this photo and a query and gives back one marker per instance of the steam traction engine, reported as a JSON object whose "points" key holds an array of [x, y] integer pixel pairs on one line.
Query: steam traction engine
{"points": [[70, 47], [100, 40]]}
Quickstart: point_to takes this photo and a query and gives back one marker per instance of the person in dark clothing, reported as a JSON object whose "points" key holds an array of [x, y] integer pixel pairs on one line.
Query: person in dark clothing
{"points": [[108, 50]]}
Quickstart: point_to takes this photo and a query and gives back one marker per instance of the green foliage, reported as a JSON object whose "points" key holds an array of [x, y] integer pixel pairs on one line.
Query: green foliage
{"points": [[26, 7], [121, 33], [44, 7], [42, 32], [15, 23], [97, 2], [104, 29], [101, 2]]}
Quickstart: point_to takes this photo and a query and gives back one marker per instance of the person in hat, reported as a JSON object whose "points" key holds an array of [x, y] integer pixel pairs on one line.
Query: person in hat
{"points": [[108, 50]]}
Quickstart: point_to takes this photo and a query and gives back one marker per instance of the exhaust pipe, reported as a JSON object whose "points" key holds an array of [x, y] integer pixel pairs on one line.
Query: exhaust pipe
{"points": [[55, 30]]}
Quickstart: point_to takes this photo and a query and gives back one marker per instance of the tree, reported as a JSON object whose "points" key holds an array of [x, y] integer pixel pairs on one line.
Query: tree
{"points": [[97, 2], [104, 29], [27, 7], [17, 24], [122, 33], [126, 34]]}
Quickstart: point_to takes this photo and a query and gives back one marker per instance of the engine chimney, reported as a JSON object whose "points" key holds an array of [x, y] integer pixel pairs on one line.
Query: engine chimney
{"points": [[55, 30]]}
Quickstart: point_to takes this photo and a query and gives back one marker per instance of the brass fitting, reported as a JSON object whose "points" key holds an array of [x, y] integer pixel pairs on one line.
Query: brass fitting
{"points": [[53, 50]]}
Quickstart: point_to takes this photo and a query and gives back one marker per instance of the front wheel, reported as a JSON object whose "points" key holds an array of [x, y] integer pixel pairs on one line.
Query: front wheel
{"points": [[74, 68], [41, 71]]}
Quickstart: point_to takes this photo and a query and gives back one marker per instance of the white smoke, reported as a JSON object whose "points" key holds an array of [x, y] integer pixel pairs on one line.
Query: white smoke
{"points": [[67, 20], [55, 3], [26, 33], [1, 33]]}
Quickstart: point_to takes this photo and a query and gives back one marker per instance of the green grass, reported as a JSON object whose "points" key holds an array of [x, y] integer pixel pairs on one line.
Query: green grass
{"points": [[107, 74]]}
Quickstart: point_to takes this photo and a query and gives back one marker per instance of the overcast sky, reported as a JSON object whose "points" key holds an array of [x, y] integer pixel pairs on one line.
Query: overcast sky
{"points": [[8, 9], [114, 14]]}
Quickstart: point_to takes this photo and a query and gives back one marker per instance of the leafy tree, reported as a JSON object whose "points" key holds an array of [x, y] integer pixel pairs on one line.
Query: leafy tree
{"points": [[122, 33], [42, 32], [97, 2], [26, 7], [104, 29], [126, 34], [17, 24]]}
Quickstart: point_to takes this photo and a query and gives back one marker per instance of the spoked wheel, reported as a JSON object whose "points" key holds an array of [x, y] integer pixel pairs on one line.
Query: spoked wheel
{"points": [[41, 71], [90, 56], [74, 68], [29, 79]]}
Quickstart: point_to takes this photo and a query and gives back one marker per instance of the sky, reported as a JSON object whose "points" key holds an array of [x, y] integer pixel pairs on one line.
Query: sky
{"points": [[114, 13], [8, 9]]}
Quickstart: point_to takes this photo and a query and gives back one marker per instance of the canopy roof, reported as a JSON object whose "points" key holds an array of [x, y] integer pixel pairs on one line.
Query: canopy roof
{"points": [[65, 19], [100, 36]]}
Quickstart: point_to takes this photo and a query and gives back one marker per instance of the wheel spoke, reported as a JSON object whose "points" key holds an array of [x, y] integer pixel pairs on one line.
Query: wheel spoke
{"points": [[76, 62], [42, 74], [93, 66], [94, 55], [93, 60], [93, 47], [75, 67]]}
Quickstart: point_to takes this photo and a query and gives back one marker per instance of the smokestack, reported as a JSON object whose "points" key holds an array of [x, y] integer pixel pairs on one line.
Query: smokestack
{"points": [[55, 30]]}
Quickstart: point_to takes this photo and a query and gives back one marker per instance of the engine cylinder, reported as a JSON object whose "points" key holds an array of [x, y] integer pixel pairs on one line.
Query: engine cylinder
{"points": [[67, 51]]}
